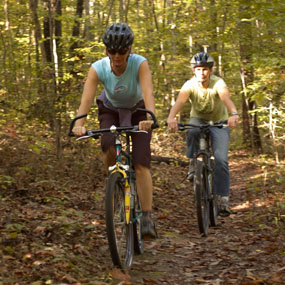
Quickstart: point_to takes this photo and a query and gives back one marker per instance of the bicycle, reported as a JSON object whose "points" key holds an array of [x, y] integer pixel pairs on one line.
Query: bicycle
{"points": [[206, 199], [122, 206]]}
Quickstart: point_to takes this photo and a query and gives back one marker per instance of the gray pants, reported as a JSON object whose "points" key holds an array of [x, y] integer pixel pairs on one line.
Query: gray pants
{"points": [[220, 145]]}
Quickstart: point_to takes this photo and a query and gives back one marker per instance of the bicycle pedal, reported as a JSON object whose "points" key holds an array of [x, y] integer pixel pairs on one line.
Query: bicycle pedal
{"points": [[190, 177]]}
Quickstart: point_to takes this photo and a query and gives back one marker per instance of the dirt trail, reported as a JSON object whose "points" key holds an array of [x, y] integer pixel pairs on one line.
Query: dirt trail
{"points": [[52, 228], [235, 252]]}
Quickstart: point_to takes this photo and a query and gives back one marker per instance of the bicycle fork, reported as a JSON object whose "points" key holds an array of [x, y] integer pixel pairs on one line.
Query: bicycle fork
{"points": [[122, 168]]}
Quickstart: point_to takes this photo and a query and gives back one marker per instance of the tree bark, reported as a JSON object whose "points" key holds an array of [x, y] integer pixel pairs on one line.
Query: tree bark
{"points": [[38, 31], [251, 135], [87, 25], [76, 26]]}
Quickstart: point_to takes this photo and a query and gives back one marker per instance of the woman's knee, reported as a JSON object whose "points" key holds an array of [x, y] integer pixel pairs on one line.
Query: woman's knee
{"points": [[109, 156], [141, 169]]}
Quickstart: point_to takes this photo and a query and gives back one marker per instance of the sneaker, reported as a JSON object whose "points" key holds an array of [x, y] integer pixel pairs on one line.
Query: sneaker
{"points": [[148, 230], [190, 173], [224, 210]]}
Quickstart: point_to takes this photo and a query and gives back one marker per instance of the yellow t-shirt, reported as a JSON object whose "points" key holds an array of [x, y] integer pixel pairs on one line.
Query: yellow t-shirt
{"points": [[206, 103]]}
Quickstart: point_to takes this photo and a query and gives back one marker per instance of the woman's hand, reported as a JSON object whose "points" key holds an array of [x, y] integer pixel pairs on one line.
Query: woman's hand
{"points": [[79, 131], [145, 125]]}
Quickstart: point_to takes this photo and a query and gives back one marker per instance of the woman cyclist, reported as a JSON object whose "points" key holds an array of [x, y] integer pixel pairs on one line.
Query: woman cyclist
{"points": [[127, 82]]}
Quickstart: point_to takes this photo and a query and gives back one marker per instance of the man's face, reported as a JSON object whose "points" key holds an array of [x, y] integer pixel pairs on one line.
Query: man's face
{"points": [[202, 73]]}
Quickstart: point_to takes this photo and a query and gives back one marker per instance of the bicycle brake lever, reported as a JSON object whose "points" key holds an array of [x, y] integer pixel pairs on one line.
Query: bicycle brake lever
{"points": [[141, 131], [83, 137], [88, 136]]}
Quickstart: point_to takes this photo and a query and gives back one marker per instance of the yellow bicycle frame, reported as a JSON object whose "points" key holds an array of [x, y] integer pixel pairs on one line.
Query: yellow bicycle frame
{"points": [[117, 168]]}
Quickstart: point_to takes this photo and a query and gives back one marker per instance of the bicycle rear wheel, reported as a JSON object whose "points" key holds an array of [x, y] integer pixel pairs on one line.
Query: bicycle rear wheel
{"points": [[119, 234], [201, 197]]}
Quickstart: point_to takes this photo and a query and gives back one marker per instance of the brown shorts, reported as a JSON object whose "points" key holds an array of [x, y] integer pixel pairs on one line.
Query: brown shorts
{"points": [[140, 141]]}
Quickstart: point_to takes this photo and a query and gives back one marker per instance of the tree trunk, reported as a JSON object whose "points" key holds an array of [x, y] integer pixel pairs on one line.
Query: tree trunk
{"points": [[59, 100], [110, 12], [76, 26], [87, 34], [251, 135], [38, 31], [12, 77]]}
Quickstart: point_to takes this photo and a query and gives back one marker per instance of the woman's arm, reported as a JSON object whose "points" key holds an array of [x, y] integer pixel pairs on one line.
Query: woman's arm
{"points": [[145, 79], [87, 100]]}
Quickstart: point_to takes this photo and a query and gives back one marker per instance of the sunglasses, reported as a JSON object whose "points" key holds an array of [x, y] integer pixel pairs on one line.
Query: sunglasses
{"points": [[121, 51]]}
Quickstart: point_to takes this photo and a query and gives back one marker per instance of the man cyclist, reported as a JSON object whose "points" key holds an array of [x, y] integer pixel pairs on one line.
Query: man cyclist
{"points": [[211, 101], [127, 82]]}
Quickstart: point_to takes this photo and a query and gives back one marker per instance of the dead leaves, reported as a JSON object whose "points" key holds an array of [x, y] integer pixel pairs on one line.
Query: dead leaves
{"points": [[278, 278], [55, 232], [124, 277]]}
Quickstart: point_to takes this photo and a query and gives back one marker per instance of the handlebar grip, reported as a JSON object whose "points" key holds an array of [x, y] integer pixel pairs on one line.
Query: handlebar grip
{"points": [[155, 124], [181, 126], [70, 132]]}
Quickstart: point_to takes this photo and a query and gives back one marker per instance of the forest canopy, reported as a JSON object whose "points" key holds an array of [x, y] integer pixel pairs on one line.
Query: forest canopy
{"points": [[47, 47]]}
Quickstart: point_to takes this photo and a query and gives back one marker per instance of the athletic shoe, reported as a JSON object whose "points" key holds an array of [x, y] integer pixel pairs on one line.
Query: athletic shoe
{"points": [[224, 210], [148, 230], [190, 173]]}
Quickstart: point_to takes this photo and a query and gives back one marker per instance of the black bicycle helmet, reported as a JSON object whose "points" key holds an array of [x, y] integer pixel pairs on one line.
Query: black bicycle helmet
{"points": [[202, 59], [118, 36]]}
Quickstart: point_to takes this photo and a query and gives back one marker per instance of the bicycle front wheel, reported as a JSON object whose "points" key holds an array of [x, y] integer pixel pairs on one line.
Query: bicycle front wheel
{"points": [[213, 206], [119, 233], [137, 214], [201, 197]]}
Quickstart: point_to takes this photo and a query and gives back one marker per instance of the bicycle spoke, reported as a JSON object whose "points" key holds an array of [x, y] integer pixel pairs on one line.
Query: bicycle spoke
{"points": [[201, 198], [138, 240], [119, 233]]}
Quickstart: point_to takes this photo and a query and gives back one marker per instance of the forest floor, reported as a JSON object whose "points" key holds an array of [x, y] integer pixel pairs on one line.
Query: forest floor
{"points": [[52, 227]]}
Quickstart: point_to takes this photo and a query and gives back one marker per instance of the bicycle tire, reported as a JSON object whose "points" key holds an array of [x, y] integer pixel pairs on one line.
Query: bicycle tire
{"points": [[201, 197], [213, 205], [214, 211], [137, 214], [119, 234]]}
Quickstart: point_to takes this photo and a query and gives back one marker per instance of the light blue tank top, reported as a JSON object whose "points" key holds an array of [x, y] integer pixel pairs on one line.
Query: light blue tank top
{"points": [[122, 91]]}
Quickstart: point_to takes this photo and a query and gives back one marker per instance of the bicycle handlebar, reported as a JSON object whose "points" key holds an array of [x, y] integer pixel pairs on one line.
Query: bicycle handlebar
{"points": [[155, 124], [186, 126], [70, 132], [112, 129]]}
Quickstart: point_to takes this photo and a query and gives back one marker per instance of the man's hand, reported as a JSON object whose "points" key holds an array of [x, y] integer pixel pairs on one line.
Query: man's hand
{"points": [[145, 125], [172, 125], [233, 121], [79, 131]]}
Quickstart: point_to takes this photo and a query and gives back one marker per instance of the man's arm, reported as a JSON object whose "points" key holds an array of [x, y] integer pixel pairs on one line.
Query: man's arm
{"points": [[225, 96], [180, 101], [87, 100]]}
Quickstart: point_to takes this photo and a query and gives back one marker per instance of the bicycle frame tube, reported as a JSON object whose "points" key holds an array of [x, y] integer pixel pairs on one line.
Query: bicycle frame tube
{"points": [[203, 152], [119, 167], [118, 148]]}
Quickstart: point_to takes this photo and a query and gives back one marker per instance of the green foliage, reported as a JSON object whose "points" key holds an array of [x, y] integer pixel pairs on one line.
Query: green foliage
{"points": [[5, 180], [163, 29]]}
